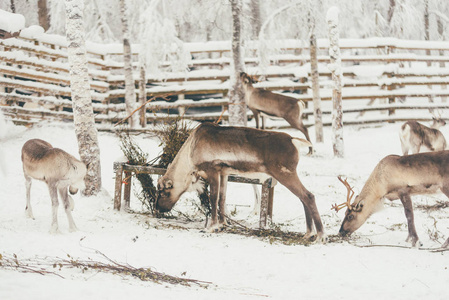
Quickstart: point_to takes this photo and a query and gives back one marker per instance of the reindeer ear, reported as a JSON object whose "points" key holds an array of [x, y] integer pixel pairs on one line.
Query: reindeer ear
{"points": [[194, 176], [359, 206], [169, 184]]}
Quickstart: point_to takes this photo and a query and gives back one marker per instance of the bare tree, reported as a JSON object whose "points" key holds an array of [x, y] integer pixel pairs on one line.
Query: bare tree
{"points": [[237, 105], [130, 93], [335, 67], [85, 130], [44, 18], [317, 113], [256, 20], [13, 6]]}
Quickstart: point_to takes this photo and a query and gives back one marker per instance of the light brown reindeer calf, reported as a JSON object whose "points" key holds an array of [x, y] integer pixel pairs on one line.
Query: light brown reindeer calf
{"points": [[59, 170], [266, 103], [397, 177], [416, 137]]}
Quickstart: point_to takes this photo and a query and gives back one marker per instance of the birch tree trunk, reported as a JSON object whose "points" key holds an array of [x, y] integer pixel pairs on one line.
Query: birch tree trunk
{"points": [[44, 18], [142, 96], [335, 67], [237, 104], [83, 115], [317, 113], [130, 93]]}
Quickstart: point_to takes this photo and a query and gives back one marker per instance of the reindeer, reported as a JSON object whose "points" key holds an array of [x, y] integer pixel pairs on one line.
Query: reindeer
{"points": [[417, 137], [212, 153], [265, 103], [397, 177], [59, 170]]}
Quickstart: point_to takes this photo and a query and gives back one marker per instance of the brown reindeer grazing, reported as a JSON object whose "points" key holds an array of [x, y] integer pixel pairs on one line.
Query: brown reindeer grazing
{"points": [[213, 152], [397, 177], [266, 103], [417, 137], [59, 170]]}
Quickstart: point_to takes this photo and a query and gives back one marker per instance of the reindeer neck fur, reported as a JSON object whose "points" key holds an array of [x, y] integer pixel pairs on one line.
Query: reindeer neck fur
{"points": [[183, 168], [373, 191]]}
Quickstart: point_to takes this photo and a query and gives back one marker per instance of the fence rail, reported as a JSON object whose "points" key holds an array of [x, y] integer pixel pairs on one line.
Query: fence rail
{"points": [[35, 81]]}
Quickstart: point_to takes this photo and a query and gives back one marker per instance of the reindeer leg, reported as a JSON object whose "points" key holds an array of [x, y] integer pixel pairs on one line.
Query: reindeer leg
{"points": [[263, 121], [54, 207], [256, 209], [222, 201], [292, 182], [68, 206], [408, 209], [28, 210], [214, 185], [256, 117]]}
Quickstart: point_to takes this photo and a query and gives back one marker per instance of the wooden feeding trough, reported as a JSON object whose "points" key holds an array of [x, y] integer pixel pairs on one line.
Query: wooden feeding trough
{"points": [[124, 173]]}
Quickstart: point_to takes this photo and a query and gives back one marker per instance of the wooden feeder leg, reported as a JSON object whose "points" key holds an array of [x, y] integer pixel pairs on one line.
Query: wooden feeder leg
{"points": [[270, 204], [264, 205], [127, 190], [118, 187]]}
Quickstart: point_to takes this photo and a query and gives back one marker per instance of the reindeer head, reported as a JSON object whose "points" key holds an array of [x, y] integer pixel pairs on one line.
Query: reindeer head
{"points": [[169, 191], [78, 173], [355, 215], [247, 80]]}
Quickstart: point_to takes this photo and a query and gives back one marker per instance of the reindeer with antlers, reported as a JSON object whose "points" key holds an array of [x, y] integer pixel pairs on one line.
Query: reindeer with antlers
{"points": [[397, 177]]}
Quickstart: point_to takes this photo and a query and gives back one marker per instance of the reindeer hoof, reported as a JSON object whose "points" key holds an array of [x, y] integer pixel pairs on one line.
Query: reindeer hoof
{"points": [[321, 239], [414, 241], [73, 229]]}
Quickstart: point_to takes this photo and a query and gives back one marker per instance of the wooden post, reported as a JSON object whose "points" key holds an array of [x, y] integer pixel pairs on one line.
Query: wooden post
{"points": [[127, 189], [118, 168], [264, 205], [266, 202]]}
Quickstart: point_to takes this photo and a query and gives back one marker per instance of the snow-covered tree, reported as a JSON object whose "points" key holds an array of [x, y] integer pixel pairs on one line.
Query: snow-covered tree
{"points": [[317, 113], [335, 67], [237, 105], [85, 130]]}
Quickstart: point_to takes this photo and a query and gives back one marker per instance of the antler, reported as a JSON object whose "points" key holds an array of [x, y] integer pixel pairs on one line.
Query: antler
{"points": [[348, 197]]}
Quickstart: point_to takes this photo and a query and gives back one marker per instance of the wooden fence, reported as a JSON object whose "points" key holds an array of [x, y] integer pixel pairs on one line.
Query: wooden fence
{"points": [[384, 80]]}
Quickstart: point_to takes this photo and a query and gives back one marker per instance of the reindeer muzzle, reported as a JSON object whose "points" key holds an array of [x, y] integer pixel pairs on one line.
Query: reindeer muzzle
{"points": [[343, 232]]}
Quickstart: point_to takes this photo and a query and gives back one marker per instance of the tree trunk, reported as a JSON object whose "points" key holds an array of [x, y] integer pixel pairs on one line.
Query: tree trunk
{"points": [[426, 27], [44, 19], [142, 96], [13, 6], [130, 93], [317, 113], [335, 67], [237, 105], [83, 115], [256, 20], [440, 27]]}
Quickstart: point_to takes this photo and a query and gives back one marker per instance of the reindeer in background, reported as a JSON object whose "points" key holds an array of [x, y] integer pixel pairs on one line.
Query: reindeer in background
{"points": [[59, 170], [417, 137], [397, 177], [268, 104]]}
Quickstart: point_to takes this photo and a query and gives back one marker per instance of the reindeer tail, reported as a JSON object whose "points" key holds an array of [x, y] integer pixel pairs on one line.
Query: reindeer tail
{"points": [[298, 142]]}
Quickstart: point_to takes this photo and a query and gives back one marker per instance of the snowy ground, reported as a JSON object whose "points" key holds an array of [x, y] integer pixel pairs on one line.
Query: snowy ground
{"points": [[239, 267]]}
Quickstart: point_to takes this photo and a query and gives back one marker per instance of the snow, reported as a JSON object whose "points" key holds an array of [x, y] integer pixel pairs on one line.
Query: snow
{"points": [[10, 22], [32, 32], [332, 15], [239, 267]]}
